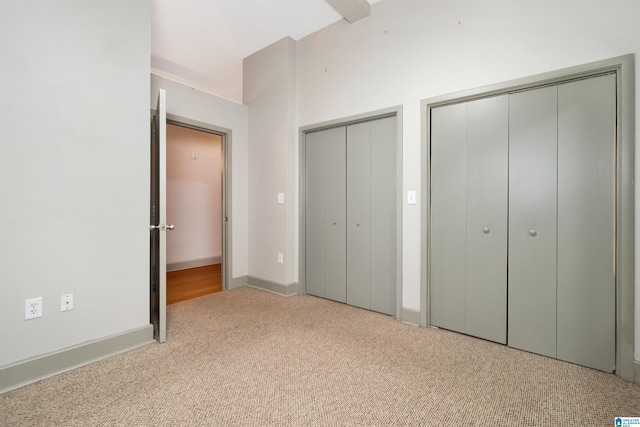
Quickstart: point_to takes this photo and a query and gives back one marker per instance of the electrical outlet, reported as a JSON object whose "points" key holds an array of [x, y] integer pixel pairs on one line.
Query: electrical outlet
{"points": [[32, 308], [66, 302]]}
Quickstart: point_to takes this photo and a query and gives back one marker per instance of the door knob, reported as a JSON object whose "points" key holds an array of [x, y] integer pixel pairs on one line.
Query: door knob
{"points": [[533, 233], [334, 222], [357, 223], [486, 230], [161, 227]]}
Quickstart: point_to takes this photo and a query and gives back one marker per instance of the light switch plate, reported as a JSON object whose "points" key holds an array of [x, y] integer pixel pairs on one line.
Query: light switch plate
{"points": [[411, 197], [280, 198]]}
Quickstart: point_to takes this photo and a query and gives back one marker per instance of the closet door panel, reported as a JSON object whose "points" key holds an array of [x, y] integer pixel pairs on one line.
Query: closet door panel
{"points": [[383, 215], [586, 218], [359, 215], [487, 188], [326, 214], [532, 220], [314, 215], [335, 214], [448, 226]]}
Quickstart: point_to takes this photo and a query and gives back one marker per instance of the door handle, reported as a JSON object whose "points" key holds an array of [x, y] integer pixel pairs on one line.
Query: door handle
{"points": [[485, 230], [533, 233], [161, 227]]}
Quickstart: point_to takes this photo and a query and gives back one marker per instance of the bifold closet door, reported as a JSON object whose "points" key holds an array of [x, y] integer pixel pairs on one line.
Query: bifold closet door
{"points": [[371, 215], [469, 155], [487, 188], [533, 171], [359, 215], [562, 221], [448, 217], [383, 215], [325, 213], [586, 219]]}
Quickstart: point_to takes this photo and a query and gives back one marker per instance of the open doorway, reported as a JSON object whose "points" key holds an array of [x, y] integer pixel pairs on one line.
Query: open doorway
{"points": [[195, 205], [159, 225]]}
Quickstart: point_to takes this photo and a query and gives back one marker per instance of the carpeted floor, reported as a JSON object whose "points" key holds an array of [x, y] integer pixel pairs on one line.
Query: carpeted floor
{"points": [[250, 358]]}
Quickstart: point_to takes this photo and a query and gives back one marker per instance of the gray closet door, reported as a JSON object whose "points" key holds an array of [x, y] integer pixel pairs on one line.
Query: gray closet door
{"points": [[326, 214], [371, 215], [486, 247], [532, 220], [469, 158], [351, 214], [448, 226], [383, 215], [536, 169], [586, 218], [359, 215]]}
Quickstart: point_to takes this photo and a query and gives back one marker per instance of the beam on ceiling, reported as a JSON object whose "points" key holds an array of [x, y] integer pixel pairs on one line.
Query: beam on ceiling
{"points": [[351, 10]]}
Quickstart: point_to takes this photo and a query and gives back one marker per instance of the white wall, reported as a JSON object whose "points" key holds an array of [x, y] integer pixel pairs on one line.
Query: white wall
{"points": [[194, 195], [192, 104], [269, 91], [408, 50], [74, 171]]}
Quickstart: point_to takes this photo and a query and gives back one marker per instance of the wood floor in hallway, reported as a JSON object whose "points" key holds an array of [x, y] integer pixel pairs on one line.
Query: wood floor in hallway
{"points": [[193, 282]]}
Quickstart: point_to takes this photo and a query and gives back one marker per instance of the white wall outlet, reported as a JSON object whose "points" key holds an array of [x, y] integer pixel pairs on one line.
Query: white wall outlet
{"points": [[280, 258], [32, 308], [66, 302], [281, 198]]}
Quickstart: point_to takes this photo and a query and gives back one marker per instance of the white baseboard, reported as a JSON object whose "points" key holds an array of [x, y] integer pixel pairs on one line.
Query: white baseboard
{"points": [[194, 263]]}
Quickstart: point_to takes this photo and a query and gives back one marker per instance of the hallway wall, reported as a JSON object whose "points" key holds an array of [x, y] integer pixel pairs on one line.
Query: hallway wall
{"points": [[186, 102], [194, 197]]}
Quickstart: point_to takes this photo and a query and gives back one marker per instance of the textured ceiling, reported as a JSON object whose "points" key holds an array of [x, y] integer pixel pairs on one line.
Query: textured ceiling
{"points": [[202, 42]]}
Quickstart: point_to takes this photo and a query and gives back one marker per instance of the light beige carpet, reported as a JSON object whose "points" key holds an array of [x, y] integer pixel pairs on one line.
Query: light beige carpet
{"points": [[249, 358]]}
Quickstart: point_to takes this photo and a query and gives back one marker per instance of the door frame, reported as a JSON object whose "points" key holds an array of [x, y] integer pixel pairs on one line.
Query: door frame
{"points": [[623, 67], [225, 135], [396, 112]]}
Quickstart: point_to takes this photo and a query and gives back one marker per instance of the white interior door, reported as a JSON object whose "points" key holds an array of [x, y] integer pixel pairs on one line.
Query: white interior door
{"points": [[158, 225]]}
